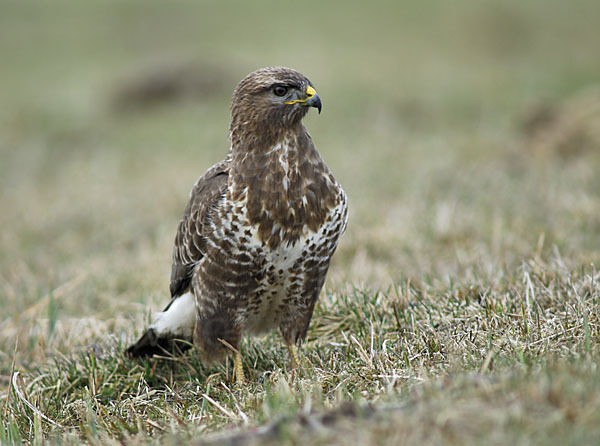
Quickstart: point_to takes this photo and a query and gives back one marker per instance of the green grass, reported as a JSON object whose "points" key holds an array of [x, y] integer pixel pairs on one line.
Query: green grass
{"points": [[462, 306]]}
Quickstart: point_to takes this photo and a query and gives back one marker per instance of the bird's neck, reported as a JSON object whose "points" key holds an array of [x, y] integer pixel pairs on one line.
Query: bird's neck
{"points": [[253, 152]]}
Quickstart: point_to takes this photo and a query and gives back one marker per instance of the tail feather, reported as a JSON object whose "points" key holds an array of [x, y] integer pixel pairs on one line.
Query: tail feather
{"points": [[150, 344], [171, 333]]}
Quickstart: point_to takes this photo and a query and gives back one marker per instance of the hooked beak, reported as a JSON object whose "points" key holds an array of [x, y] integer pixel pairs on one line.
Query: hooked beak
{"points": [[312, 99]]}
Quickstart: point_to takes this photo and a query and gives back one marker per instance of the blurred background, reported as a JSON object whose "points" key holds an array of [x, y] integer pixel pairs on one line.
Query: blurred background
{"points": [[465, 133]]}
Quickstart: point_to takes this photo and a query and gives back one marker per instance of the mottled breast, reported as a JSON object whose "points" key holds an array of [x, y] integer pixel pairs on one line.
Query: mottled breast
{"points": [[285, 277]]}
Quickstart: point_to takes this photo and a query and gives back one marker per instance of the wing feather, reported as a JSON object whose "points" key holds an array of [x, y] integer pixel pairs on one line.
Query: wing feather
{"points": [[190, 240]]}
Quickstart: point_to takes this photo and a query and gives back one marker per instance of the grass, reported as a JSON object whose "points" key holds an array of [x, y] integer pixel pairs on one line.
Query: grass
{"points": [[462, 305], [443, 363]]}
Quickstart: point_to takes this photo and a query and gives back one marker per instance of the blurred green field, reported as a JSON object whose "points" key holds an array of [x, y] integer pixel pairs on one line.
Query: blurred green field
{"points": [[466, 135]]}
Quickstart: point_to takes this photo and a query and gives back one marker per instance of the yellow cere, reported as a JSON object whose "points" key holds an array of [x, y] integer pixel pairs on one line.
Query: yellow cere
{"points": [[310, 92]]}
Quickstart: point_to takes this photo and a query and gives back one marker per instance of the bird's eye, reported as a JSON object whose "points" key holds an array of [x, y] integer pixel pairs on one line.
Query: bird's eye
{"points": [[280, 90]]}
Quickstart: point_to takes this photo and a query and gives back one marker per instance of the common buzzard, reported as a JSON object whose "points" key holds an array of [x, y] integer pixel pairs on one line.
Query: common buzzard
{"points": [[257, 235]]}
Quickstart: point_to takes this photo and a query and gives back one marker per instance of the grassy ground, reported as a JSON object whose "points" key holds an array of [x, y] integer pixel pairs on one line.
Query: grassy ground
{"points": [[463, 303]]}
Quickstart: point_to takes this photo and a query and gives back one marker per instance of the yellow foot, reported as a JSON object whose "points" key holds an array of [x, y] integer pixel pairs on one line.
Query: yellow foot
{"points": [[238, 368], [294, 355]]}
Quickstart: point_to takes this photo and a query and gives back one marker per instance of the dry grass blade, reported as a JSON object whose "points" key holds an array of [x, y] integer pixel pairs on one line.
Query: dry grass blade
{"points": [[224, 411], [12, 372], [38, 412], [362, 352]]}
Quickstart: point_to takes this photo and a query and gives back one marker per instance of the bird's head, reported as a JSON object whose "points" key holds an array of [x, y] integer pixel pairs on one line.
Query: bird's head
{"points": [[272, 99]]}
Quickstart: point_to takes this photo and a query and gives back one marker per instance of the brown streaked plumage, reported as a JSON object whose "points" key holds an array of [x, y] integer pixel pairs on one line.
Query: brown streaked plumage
{"points": [[257, 235]]}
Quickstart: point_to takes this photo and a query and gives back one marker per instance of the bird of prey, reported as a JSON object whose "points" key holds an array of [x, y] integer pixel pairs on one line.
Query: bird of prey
{"points": [[257, 235]]}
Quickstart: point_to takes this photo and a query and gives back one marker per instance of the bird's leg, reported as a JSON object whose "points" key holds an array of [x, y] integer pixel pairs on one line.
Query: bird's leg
{"points": [[294, 355], [238, 368]]}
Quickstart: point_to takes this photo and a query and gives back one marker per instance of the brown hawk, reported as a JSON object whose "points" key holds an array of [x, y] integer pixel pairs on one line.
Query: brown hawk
{"points": [[257, 235]]}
